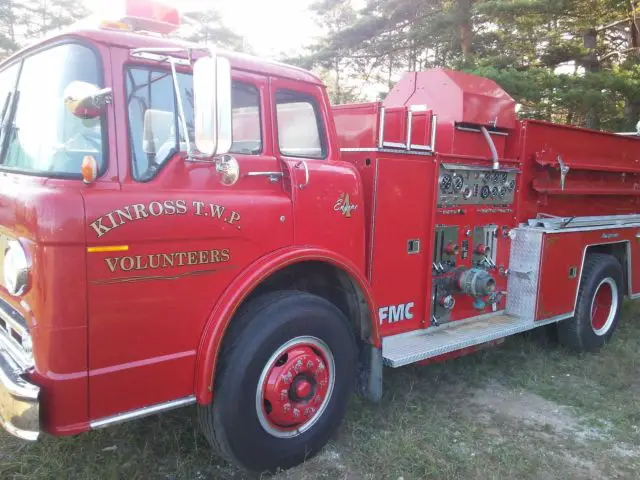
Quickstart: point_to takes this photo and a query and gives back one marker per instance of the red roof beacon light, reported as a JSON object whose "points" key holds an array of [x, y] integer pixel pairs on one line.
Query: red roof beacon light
{"points": [[145, 15]]}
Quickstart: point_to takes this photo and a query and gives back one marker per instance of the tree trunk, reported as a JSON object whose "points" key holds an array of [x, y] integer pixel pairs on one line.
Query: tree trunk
{"points": [[591, 64], [465, 29], [632, 103]]}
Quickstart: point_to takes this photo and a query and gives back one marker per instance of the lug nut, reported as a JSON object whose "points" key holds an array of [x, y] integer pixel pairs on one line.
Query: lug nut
{"points": [[296, 412]]}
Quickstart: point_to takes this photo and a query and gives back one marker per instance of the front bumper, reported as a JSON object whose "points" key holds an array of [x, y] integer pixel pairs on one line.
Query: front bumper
{"points": [[19, 405]]}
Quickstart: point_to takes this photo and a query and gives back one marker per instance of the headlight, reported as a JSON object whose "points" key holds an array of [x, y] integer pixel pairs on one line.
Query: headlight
{"points": [[16, 269]]}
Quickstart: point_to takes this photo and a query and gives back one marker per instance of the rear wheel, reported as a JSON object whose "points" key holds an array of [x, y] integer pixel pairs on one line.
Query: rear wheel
{"points": [[598, 307], [283, 382]]}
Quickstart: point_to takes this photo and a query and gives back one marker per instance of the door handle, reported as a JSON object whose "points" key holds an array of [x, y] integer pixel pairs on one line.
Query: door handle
{"points": [[273, 176], [306, 173]]}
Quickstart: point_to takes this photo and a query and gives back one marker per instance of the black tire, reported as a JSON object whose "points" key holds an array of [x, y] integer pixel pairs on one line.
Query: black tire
{"points": [[586, 332], [232, 423]]}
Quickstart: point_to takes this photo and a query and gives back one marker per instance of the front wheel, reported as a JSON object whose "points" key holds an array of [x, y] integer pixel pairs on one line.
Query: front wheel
{"points": [[598, 307], [285, 375]]}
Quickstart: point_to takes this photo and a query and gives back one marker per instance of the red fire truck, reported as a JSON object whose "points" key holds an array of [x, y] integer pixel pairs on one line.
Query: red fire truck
{"points": [[183, 226]]}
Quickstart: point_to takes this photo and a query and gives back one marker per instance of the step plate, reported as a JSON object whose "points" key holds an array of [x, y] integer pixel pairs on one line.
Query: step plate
{"points": [[420, 345]]}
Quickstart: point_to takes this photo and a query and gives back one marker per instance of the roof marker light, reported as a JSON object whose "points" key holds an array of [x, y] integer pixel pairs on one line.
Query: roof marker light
{"points": [[141, 15]]}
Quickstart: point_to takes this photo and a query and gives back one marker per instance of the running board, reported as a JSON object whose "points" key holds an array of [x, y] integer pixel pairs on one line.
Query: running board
{"points": [[411, 347]]}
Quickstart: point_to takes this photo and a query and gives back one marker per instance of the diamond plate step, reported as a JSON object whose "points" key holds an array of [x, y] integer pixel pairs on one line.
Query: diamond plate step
{"points": [[420, 345]]}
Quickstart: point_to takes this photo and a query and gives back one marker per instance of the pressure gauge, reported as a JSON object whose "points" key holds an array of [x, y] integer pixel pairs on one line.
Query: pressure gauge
{"points": [[446, 182], [458, 183]]}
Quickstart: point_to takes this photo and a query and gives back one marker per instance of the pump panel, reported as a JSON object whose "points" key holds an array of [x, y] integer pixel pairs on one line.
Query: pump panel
{"points": [[468, 185]]}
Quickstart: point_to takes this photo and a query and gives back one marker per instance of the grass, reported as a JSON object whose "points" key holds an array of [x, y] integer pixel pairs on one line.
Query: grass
{"points": [[527, 409]]}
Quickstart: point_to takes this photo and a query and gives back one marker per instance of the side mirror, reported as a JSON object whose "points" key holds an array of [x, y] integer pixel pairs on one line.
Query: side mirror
{"points": [[212, 105], [85, 100]]}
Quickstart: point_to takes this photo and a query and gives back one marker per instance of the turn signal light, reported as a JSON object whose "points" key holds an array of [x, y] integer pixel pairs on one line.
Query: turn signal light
{"points": [[89, 169]]}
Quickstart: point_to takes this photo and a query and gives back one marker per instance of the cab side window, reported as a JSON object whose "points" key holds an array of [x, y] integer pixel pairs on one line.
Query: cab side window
{"points": [[300, 128], [245, 119], [155, 131]]}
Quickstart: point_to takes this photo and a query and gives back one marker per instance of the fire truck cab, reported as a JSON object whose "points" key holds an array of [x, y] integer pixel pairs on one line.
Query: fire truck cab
{"points": [[180, 225]]}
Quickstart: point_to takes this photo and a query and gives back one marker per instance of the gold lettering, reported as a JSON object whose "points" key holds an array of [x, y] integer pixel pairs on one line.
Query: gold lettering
{"points": [[226, 255], [235, 216], [181, 206], [127, 264], [193, 258], [153, 206], [140, 265], [181, 256], [167, 260], [140, 210], [124, 213], [169, 207], [113, 220], [198, 206], [155, 264], [216, 211], [215, 256], [100, 228], [112, 263], [204, 256]]}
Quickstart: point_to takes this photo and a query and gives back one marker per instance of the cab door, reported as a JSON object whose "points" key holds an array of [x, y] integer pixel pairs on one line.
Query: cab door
{"points": [[164, 247], [327, 196]]}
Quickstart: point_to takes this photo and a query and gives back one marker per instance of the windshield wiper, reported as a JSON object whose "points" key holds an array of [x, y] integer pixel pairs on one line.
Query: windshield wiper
{"points": [[8, 114]]}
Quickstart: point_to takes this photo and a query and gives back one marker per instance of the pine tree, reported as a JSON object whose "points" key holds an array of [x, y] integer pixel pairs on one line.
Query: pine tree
{"points": [[208, 28]]}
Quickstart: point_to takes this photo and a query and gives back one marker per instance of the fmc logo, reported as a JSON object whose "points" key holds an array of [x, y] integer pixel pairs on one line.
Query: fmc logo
{"points": [[396, 313]]}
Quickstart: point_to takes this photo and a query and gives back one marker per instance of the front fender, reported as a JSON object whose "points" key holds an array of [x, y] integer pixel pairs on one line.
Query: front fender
{"points": [[239, 290]]}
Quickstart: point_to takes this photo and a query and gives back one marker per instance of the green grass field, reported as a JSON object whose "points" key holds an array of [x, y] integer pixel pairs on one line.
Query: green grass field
{"points": [[527, 409]]}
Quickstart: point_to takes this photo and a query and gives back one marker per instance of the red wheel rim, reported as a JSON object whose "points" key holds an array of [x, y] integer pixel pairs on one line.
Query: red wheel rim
{"points": [[295, 387], [604, 306]]}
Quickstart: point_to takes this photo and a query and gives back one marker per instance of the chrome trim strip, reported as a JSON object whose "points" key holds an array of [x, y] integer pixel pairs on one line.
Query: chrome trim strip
{"points": [[145, 54], [415, 151], [477, 130], [142, 412], [381, 132], [587, 228], [454, 166], [374, 211], [629, 273], [395, 145], [374, 149], [434, 126], [549, 222], [424, 148], [409, 129]]}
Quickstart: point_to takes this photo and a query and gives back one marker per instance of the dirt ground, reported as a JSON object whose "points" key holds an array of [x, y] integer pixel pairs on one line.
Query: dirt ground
{"points": [[528, 409]]}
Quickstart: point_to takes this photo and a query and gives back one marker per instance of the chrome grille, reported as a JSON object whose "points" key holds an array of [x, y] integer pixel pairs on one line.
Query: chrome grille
{"points": [[14, 335]]}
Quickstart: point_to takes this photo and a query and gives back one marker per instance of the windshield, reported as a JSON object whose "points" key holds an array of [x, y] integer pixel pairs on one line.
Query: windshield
{"points": [[42, 136]]}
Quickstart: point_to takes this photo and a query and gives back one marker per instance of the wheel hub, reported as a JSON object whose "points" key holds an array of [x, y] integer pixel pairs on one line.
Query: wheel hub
{"points": [[604, 306], [295, 386]]}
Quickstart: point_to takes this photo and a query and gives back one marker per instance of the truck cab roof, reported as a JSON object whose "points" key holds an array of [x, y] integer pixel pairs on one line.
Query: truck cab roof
{"points": [[131, 40]]}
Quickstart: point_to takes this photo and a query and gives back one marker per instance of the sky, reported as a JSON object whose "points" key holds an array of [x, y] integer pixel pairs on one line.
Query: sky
{"points": [[269, 27]]}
